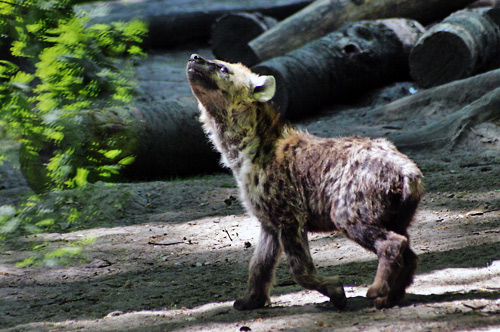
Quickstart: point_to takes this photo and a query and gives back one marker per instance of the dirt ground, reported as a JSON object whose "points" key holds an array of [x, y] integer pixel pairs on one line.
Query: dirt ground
{"points": [[173, 255]]}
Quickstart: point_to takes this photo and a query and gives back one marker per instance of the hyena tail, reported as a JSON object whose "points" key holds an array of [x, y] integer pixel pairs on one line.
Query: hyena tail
{"points": [[410, 198], [412, 188]]}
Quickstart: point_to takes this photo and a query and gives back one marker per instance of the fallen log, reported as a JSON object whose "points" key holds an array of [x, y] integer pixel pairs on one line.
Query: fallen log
{"points": [[174, 22], [455, 106], [165, 139], [357, 57], [447, 132], [467, 42], [232, 32], [484, 3], [324, 16]]}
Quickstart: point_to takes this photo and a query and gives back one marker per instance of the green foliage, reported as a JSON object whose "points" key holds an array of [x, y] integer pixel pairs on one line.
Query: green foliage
{"points": [[55, 69], [91, 205], [79, 68], [65, 255], [25, 23], [9, 223]]}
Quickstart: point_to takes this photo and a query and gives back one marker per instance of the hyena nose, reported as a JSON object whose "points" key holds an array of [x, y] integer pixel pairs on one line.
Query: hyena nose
{"points": [[196, 58]]}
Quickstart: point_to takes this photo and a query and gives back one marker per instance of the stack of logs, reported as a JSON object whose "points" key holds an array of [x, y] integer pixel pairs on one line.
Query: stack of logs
{"points": [[320, 52], [315, 66]]}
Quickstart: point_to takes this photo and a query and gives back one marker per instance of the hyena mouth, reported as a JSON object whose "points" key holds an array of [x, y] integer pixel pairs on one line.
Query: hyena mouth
{"points": [[199, 72]]}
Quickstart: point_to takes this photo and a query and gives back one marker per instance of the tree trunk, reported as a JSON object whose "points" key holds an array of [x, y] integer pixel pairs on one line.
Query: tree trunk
{"points": [[166, 140], [324, 16], [485, 3], [232, 32], [357, 57], [448, 131], [174, 22], [460, 104], [466, 42]]}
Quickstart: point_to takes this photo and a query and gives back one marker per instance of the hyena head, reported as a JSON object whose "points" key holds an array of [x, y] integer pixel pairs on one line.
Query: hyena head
{"points": [[218, 85]]}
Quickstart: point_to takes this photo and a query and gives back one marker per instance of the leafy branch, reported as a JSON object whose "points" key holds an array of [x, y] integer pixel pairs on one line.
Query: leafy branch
{"points": [[54, 67]]}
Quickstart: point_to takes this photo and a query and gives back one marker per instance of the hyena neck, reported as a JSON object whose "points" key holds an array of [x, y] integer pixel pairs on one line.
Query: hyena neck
{"points": [[244, 132]]}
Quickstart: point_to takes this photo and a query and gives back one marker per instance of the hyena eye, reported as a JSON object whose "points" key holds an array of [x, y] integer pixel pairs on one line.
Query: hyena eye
{"points": [[224, 70]]}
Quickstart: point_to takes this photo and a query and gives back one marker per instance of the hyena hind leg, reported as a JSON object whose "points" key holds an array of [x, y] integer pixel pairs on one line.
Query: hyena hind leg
{"points": [[403, 280], [396, 265], [404, 264], [296, 247], [262, 267]]}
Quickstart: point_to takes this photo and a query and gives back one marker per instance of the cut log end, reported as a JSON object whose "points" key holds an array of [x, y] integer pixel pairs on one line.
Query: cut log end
{"points": [[232, 32], [442, 57], [408, 31], [281, 96], [463, 44]]}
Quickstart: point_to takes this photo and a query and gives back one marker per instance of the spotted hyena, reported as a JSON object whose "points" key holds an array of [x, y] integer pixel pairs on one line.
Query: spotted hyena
{"points": [[296, 183]]}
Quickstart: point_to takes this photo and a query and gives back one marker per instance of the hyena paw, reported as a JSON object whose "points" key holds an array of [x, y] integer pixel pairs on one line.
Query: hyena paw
{"points": [[385, 302], [378, 290], [249, 303], [392, 299], [335, 291]]}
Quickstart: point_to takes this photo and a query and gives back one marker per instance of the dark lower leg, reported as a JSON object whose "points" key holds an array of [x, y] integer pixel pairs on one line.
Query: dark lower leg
{"points": [[405, 277], [391, 263], [262, 268], [296, 247]]}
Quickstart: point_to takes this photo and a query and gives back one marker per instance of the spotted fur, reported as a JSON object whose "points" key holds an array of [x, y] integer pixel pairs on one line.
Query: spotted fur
{"points": [[296, 183]]}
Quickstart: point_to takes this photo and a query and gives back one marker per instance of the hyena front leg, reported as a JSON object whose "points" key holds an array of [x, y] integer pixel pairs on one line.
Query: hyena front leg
{"points": [[262, 267], [295, 244]]}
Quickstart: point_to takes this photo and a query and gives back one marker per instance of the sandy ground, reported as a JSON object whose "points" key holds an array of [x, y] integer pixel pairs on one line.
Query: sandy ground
{"points": [[173, 255]]}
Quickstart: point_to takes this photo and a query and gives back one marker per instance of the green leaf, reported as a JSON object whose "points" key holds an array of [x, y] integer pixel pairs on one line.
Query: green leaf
{"points": [[6, 211], [66, 251], [27, 262], [126, 161], [112, 154], [54, 135], [46, 222], [22, 77], [81, 176], [10, 226]]}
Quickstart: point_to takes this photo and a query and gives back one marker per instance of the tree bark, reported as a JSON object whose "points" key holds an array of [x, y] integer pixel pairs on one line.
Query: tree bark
{"points": [[174, 22], [166, 140], [447, 132], [461, 104], [466, 42], [485, 3], [232, 32], [357, 57], [324, 16]]}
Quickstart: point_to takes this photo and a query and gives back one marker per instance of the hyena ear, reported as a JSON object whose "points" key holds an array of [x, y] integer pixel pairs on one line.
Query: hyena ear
{"points": [[264, 88]]}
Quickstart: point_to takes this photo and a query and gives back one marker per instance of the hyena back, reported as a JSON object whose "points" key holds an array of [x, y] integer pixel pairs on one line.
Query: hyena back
{"points": [[296, 183]]}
